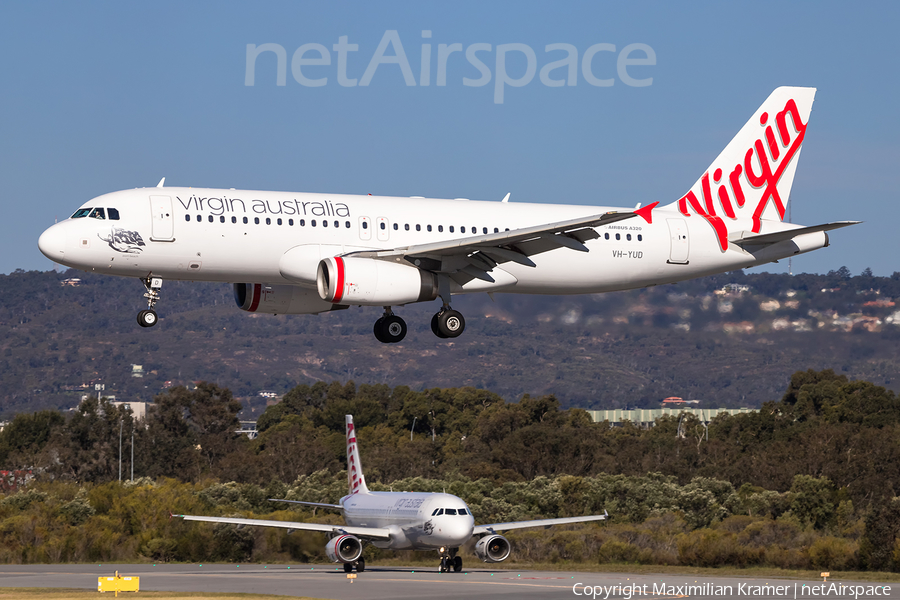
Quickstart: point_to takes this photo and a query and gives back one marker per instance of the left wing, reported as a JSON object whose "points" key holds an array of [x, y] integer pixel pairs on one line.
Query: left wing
{"points": [[367, 533], [494, 527], [472, 257]]}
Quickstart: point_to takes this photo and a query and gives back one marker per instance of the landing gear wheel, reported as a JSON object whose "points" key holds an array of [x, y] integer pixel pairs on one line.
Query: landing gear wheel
{"points": [[434, 326], [393, 329], [451, 323], [445, 565], [147, 318], [378, 330], [457, 564], [348, 567], [361, 565]]}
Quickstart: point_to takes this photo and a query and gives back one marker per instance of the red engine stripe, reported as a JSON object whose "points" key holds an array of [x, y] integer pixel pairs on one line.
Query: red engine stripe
{"points": [[257, 292], [339, 284]]}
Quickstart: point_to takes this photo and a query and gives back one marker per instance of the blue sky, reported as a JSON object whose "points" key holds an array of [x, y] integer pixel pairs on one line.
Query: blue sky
{"points": [[103, 96]]}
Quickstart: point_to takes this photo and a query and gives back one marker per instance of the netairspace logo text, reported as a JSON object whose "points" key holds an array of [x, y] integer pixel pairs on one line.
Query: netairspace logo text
{"points": [[314, 65]]}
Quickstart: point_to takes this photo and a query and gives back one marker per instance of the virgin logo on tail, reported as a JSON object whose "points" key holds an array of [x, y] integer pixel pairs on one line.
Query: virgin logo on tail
{"points": [[756, 175], [353, 476]]}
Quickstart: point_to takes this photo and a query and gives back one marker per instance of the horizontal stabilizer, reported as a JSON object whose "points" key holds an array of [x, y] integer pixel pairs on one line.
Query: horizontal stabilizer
{"points": [[745, 238], [315, 504]]}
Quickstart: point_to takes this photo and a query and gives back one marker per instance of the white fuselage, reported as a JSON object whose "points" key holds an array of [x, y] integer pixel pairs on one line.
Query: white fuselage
{"points": [[411, 518], [241, 236]]}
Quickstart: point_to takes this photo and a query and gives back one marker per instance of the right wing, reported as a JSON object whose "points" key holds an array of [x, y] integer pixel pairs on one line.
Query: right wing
{"points": [[366, 533], [494, 527]]}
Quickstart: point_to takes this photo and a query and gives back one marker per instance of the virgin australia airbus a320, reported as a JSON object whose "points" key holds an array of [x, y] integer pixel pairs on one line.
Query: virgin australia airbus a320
{"points": [[400, 521], [290, 253]]}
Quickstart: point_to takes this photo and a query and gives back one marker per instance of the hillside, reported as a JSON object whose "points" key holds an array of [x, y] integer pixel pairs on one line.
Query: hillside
{"points": [[691, 339]]}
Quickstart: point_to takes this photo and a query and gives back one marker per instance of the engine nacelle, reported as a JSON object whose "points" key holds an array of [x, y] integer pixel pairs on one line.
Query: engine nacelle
{"points": [[492, 548], [344, 549], [280, 299], [366, 281]]}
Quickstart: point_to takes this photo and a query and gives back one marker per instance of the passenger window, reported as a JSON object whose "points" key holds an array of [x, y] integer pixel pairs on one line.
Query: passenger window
{"points": [[406, 227], [324, 223], [496, 230], [396, 227], [418, 227], [461, 229], [606, 236], [365, 224], [347, 224], [429, 227], [199, 218], [268, 221], [312, 222], [83, 212], [618, 236], [113, 214], [186, 217], [441, 228], [278, 221], [485, 230], [98, 213], [640, 238], [382, 226], [628, 237], [210, 218], [221, 219], [451, 229], [234, 219], [450, 511], [256, 220], [291, 222], [245, 220], [337, 223], [302, 222]]}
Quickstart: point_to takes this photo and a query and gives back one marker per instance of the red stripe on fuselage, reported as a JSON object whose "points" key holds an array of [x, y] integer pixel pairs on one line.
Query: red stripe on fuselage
{"points": [[339, 284], [257, 292]]}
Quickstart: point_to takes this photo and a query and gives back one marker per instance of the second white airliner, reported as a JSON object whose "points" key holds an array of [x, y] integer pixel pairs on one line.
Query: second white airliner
{"points": [[294, 253], [400, 521]]}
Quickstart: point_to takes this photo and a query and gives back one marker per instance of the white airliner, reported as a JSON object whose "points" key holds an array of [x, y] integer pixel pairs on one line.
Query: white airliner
{"points": [[291, 253], [401, 521]]}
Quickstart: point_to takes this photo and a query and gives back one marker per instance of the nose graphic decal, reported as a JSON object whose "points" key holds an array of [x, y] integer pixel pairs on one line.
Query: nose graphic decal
{"points": [[122, 240]]}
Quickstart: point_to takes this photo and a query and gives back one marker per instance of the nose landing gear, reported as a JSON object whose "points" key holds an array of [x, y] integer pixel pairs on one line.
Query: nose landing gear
{"points": [[148, 318], [450, 560]]}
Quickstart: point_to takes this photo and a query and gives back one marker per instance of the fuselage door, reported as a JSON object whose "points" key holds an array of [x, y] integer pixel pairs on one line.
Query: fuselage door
{"points": [[680, 244], [383, 229], [163, 229], [365, 228]]}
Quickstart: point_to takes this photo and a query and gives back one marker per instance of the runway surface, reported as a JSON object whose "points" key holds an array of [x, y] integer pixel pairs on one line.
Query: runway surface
{"points": [[388, 583]]}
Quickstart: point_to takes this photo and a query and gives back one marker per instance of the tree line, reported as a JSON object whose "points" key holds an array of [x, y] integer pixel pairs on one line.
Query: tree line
{"points": [[819, 468]]}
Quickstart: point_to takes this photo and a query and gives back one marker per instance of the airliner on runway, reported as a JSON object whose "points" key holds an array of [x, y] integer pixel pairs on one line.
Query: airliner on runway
{"points": [[290, 253], [401, 521]]}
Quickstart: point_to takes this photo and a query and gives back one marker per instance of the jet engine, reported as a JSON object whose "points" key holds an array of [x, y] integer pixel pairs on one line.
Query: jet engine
{"points": [[344, 549], [366, 281], [280, 299], [492, 548]]}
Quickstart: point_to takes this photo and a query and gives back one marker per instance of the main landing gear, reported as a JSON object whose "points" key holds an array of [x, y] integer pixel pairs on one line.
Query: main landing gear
{"points": [[148, 318], [390, 329], [450, 560], [360, 566]]}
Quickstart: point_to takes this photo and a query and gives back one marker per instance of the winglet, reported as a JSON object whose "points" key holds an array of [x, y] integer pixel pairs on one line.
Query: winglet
{"points": [[161, 183], [646, 212], [506, 197]]}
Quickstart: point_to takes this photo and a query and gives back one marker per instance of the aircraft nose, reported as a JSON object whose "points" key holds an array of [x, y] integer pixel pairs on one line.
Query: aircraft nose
{"points": [[52, 243]]}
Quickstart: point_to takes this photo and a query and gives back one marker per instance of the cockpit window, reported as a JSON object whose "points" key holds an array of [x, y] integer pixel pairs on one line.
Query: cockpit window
{"points": [[113, 214], [449, 511], [81, 212], [98, 213], [462, 511], [437, 511]]}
